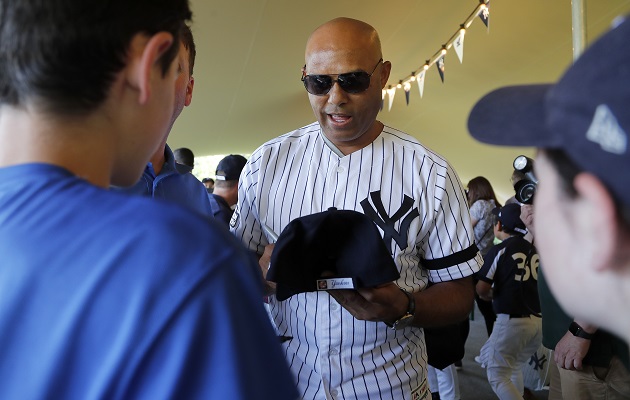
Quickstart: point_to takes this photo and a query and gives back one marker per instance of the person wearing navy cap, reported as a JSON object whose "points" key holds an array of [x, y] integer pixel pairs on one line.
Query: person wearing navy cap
{"points": [[508, 278], [225, 193], [582, 205]]}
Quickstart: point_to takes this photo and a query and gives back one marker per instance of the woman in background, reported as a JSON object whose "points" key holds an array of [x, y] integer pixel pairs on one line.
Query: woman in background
{"points": [[482, 200]]}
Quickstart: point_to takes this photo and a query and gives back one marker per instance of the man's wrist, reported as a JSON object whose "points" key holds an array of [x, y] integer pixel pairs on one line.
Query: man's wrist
{"points": [[407, 318], [577, 331]]}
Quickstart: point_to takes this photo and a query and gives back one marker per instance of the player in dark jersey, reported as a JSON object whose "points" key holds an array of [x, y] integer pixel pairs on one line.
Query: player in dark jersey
{"points": [[509, 278]]}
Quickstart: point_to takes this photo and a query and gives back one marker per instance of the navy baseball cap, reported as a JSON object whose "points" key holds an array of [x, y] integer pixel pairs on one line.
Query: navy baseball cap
{"points": [[230, 167], [586, 114], [510, 217], [330, 250]]}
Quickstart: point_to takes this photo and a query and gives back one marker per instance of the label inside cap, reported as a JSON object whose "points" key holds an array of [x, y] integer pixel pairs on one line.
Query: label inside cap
{"points": [[335, 283]]}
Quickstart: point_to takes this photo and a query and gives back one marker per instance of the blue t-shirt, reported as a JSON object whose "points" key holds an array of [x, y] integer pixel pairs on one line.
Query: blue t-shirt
{"points": [[106, 296], [174, 183]]}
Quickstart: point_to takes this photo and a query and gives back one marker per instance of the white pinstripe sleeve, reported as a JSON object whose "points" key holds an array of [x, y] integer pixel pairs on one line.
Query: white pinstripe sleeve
{"points": [[449, 250], [245, 223]]}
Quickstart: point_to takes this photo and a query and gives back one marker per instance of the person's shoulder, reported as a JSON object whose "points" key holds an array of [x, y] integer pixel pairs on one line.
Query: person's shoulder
{"points": [[403, 139], [515, 244], [296, 135], [217, 202], [181, 245], [168, 224], [484, 206], [497, 248], [192, 181]]}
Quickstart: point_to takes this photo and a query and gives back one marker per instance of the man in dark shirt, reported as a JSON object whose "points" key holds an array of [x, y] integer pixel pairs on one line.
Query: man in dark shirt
{"points": [[225, 194]]}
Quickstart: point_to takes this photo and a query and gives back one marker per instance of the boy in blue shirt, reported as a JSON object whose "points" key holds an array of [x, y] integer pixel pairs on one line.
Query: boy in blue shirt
{"points": [[103, 295]]}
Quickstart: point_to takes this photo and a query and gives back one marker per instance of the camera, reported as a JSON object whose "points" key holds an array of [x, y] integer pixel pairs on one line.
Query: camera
{"points": [[525, 187]]}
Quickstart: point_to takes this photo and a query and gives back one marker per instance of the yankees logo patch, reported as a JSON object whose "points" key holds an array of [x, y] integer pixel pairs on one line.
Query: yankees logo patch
{"points": [[386, 222]]}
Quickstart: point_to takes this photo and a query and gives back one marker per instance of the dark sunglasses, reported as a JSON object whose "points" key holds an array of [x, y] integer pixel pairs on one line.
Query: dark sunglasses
{"points": [[350, 82]]}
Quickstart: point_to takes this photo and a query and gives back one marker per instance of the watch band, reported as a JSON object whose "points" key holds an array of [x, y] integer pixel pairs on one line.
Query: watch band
{"points": [[408, 317], [578, 331]]}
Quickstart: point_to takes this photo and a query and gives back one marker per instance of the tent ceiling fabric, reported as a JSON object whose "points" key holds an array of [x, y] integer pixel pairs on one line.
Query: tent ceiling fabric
{"points": [[249, 55]]}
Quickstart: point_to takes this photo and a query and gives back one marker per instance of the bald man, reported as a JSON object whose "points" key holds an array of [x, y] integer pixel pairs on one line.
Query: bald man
{"points": [[367, 342]]}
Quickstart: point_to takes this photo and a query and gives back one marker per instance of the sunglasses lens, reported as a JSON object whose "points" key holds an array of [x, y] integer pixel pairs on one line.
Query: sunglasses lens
{"points": [[354, 82], [318, 84]]}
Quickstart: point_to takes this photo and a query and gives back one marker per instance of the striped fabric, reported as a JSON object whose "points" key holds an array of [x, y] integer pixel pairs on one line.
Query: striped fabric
{"points": [[420, 207]]}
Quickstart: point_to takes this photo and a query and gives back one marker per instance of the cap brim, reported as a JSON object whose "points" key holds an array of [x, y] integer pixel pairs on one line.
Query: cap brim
{"points": [[512, 116]]}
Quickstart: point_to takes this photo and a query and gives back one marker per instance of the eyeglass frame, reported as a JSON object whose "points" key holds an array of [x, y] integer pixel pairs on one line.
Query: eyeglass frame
{"points": [[304, 76]]}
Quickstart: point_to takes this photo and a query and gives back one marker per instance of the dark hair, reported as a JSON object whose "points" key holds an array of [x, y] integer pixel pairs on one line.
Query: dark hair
{"points": [[568, 170], [479, 188], [185, 156], [64, 54], [505, 229], [186, 38]]}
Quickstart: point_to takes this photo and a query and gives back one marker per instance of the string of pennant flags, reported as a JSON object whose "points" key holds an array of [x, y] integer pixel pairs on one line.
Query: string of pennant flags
{"points": [[456, 41]]}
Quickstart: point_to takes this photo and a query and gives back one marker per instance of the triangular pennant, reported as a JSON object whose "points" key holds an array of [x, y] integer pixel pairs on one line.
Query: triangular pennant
{"points": [[484, 14], [391, 92], [440, 66], [458, 44], [407, 88], [420, 81]]}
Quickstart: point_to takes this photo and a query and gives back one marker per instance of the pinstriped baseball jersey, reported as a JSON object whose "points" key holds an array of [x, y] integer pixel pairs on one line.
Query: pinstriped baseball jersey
{"points": [[416, 200]]}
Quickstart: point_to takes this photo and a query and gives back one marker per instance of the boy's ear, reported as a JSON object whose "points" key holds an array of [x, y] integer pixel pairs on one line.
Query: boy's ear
{"points": [[145, 53], [189, 91]]}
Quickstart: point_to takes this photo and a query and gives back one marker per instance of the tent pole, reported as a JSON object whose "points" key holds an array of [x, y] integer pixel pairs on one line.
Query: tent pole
{"points": [[578, 27]]}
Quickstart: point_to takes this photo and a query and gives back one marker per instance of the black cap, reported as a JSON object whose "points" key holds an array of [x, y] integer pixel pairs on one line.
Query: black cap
{"points": [[585, 114], [230, 167], [510, 217], [345, 244]]}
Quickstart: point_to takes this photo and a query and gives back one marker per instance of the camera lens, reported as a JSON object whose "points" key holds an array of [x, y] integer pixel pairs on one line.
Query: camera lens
{"points": [[525, 191]]}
